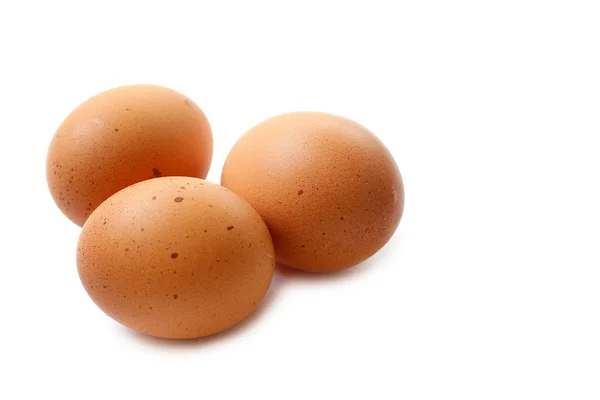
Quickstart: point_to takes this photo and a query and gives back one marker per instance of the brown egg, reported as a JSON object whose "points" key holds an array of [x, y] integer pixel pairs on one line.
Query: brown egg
{"points": [[328, 189], [123, 136], [176, 257]]}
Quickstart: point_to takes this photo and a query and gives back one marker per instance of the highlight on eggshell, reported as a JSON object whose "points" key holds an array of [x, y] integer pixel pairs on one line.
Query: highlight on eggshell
{"points": [[328, 189], [122, 136]]}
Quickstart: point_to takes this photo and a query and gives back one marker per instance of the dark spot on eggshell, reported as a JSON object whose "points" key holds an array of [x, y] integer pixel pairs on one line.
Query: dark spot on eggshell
{"points": [[178, 199], [230, 227], [174, 255], [189, 104], [300, 192], [175, 296], [153, 197]]}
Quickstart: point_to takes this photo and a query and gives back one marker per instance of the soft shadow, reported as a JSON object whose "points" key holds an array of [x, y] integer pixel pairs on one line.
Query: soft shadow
{"points": [[228, 334], [291, 274], [368, 266]]}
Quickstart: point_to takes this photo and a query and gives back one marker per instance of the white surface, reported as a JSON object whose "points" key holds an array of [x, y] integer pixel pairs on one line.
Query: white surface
{"points": [[490, 289]]}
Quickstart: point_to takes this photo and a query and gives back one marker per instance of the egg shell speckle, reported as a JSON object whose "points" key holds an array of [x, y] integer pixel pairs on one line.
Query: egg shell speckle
{"points": [[328, 189], [123, 136], [176, 257]]}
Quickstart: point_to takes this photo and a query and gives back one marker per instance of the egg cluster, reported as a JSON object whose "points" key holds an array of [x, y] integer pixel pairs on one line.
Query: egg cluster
{"points": [[171, 255]]}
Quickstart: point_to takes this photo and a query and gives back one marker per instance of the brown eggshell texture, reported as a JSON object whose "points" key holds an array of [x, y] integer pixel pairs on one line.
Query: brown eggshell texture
{"points": [[176, 257], [123, 136], [328, 189]]}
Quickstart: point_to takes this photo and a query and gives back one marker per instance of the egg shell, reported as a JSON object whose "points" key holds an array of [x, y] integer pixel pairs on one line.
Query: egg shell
{"points": [[123, 136], [328, 189], [176, 257]]}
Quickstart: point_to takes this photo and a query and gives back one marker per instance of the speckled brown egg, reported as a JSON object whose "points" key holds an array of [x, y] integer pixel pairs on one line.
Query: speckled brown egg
{"points": [[123, 136], [328, 189], [176, 257]]}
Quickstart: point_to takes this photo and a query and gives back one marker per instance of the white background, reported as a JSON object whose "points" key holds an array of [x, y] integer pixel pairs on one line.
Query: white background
{"points": [[490, 288]]}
